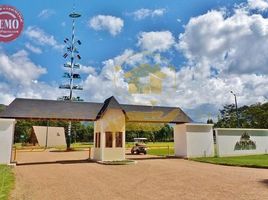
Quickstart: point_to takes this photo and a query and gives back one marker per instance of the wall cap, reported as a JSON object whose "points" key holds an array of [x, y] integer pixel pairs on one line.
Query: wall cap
{"points": [[240, 129], [6, 120], [198, 124]]}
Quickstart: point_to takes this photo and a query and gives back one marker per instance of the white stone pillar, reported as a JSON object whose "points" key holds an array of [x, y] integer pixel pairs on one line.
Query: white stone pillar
{"points": [[97, 151], [180, 140], [7, 127], [193, 140]]}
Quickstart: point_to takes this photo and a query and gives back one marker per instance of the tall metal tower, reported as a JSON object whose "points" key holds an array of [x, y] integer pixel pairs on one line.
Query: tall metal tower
{"points": [[71, 66]]}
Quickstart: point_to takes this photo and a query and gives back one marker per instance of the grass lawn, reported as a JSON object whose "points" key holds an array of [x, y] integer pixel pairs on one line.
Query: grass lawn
{"points": [[90, 144], [161, 151], [257, 161], [7, 180], [82, 145], [152, 144]]}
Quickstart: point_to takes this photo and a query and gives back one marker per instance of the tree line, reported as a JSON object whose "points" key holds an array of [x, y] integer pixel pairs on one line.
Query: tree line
{"points": [[81, 132], [84, 131], [252, 116]]}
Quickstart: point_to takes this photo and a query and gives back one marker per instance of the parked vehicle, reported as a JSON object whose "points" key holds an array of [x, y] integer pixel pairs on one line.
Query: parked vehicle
{"points": [[139, 146]]}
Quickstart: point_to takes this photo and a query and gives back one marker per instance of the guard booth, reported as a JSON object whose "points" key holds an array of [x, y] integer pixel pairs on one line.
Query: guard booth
{"points": [[109, 119]]}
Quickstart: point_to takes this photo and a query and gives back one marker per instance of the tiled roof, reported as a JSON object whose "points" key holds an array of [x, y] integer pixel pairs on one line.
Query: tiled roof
{"points": [[90, 111]]}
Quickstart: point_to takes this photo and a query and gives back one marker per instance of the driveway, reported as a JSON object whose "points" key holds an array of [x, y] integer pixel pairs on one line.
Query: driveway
{"points": [[64, 176]]}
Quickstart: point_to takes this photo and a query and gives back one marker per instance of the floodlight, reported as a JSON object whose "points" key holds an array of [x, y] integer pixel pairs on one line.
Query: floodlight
{"points": [[65, 55]]}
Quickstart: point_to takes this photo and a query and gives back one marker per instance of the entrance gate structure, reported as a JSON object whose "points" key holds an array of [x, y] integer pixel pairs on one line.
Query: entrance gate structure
{"points": [[110, 117]]}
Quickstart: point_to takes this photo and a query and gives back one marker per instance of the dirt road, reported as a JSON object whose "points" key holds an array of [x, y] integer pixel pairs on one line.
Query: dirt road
{"points": [[148, 179]]}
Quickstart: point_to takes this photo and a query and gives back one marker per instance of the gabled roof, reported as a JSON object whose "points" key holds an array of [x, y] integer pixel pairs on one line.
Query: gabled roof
{"points": [[138, 113], [51, 110], [90, 111], [108, 103]]}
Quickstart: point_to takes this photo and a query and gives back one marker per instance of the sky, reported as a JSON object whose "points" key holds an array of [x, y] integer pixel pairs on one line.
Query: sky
{"points": [[202, 50]]}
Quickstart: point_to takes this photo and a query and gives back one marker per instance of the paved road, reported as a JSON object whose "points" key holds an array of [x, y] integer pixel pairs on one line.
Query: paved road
{"points": [[148, 179]]}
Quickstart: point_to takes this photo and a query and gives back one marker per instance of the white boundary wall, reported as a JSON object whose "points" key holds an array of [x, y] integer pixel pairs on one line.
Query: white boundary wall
{"points": [[227, 138], [193, 140], [6, 140]]}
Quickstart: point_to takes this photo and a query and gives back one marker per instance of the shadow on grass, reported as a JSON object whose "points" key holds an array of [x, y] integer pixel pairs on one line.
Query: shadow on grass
{"points": [[57, 162], [229, 164], [66, 151], [155, 158]]}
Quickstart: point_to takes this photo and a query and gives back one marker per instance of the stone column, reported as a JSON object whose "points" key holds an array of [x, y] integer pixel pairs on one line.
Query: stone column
{"points": [[7, 127]]}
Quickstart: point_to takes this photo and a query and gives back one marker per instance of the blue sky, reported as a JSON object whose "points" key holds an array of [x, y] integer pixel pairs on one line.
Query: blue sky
{"points": [[100, 46], [215, 47]]}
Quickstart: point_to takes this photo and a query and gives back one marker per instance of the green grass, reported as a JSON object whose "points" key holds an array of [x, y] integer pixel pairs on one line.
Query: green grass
{"points": [[75, 146], [82, 145], [18, 145], [7, 180], [90, 144], [257, 161], [161, 151], [152, 144]]}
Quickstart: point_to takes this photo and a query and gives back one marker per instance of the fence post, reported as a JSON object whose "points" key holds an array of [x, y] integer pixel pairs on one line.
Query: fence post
{"points": [[15, 154], [168, 150], [89, 153]]}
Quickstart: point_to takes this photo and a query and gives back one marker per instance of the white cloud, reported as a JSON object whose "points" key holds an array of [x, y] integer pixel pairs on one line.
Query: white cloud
{"points": [[156, 41], [224, 53], [111, 79], [46, 13], [18, 68], [19, 78], [40, 37], [87, 69], [234, 44], [33, 49], [40, 90], [190, 82], [258, 4], [6, 96], [106, 22], [144, 13]]}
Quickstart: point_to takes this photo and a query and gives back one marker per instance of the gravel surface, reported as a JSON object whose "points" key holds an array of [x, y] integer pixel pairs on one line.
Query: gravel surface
{"points": [[64, 176]]}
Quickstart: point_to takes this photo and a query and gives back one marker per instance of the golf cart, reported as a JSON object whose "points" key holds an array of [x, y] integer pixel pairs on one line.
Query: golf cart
{"points": [[139, 146]]}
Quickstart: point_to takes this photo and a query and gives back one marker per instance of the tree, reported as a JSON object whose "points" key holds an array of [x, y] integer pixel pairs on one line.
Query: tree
{"points": [[152, 131], [210, 121], [253, 116], [22, 130], [146, 130], [164, 134], [83, 132], [2, 107]]}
